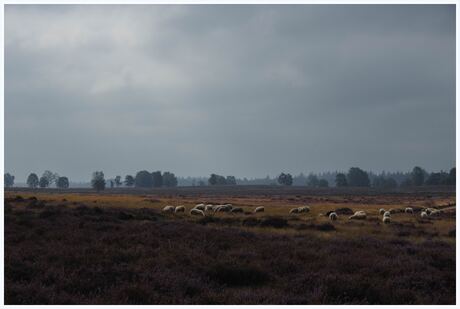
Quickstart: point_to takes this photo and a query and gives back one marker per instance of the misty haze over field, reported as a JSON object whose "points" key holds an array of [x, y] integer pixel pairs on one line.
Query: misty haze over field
{"points": [[238, 90]]}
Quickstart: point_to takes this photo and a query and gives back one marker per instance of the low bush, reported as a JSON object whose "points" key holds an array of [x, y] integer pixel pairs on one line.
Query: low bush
{"points": [[274, 222], [237, 274]]}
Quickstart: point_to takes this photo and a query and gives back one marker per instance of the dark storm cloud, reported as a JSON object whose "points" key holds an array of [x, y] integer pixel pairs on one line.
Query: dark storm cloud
{"points": [[244, 90]]}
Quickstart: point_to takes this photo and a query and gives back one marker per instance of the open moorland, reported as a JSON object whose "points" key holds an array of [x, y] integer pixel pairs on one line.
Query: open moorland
{"points": [[119, 247]]}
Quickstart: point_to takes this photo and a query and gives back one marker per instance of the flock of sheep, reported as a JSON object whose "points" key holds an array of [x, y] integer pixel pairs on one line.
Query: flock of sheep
{"points": [[202, 209]]}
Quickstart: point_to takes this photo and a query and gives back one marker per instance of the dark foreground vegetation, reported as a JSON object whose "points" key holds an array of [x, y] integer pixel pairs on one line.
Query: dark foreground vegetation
{"points": [[79, 254]]}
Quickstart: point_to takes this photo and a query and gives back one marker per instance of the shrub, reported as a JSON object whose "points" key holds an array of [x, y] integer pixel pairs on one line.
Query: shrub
{"points": [[274, 222], [250, 222], [125, 216], [234, 274], [325, 227], [35, 204]]}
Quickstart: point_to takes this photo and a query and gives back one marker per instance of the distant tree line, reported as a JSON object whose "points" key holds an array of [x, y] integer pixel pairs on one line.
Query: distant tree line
{"points": [[143, 179], [218, 180], [355, 177], [47, 179]]}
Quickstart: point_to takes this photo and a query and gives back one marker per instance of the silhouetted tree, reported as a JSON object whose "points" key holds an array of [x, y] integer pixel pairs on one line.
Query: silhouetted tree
{"points": [[62, 183], [217, 180], [98, 181], [312, 180], [43, 182], [143, 179], [157, 179], [341, 180], [8, 180], [230, 180], [406, 183], [169, 179], [323, 183], [32, 181], [51, 177], [358, 178], [129, 181], [436, 179], [451, 179], [384, 182], [418, 176], [118, 181], [285, 179], [390, 183]]}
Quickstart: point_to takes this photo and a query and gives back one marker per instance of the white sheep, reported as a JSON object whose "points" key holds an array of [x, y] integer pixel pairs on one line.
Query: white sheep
{"points": [[217, 207], [168, 209], [199, 206], [236, 209], [208, 207], [387, 214], [196, 212], [409, 210], [223, 208], [423, 214], [179, 209], [382, 211], [359, 215], [304, 209], [294, 211], [259, 209], [333, 216], [435, 212], [386, 219]]}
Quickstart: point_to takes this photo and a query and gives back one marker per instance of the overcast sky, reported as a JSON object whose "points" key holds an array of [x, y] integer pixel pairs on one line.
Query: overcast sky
{"points": [[238, 90]]}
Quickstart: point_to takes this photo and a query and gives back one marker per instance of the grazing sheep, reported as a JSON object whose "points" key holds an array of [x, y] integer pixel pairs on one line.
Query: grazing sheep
{"points": [[386, 220], [197, 212], [259, 209], [423, 214], [333, 216], [223, 208], [216, 207], [200, 206], [409, 210], [168, 209], [359, 215], [294, 211], [179, 209], [236, 209], [304, 209], [229, 205], [393, 211], [387, 214], [382, 211], [435, 212], [208, 207]]}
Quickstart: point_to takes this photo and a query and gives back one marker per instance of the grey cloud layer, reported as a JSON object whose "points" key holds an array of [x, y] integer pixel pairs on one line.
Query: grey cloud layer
{"points": [[244, 90]]}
